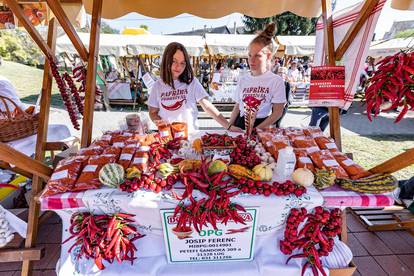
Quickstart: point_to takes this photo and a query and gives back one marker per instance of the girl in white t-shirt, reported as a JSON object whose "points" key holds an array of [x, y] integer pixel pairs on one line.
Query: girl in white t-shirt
{"points": [[175, 95], [261, 83]]}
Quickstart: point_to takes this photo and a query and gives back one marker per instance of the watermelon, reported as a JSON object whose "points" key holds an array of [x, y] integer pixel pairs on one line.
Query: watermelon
{"points": [[112, 175]]}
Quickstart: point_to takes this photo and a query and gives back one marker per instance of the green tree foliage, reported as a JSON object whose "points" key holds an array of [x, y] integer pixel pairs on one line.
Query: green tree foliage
{"points": [[145, 27], [405, 33], [16, 45], [287, 24], [105, 29]]}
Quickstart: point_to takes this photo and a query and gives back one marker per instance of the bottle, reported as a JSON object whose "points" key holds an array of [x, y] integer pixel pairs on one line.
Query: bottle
{"points": [[286, 162]]}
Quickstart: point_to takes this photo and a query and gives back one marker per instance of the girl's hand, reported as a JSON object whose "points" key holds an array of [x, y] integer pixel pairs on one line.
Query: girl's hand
{"points": [[160, 122], [235, 129]]}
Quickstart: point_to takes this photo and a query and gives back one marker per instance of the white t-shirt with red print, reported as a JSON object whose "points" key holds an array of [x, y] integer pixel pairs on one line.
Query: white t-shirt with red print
{"points": [[268, 87], [179, 104]]}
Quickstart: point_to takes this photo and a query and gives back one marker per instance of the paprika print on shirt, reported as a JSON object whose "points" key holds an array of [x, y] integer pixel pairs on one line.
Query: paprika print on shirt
{"points": [[179, 104], [269, 88]]}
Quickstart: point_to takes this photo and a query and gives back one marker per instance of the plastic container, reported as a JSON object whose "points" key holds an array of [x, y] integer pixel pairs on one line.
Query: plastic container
{"points": [[286, 162]]}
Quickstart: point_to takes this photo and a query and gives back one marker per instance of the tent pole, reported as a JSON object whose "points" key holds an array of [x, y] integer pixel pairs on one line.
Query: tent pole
{"points": [[91, 74], [61, 16], [37, 182], [334, 120]]}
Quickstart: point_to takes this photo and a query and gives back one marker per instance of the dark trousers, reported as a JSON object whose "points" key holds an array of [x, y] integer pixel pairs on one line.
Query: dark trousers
{"points": [[240, 122], [322, 114], [407, 188]]}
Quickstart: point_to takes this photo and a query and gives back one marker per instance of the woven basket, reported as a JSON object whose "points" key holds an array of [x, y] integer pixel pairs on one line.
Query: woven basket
{"points": [[17, 124]]}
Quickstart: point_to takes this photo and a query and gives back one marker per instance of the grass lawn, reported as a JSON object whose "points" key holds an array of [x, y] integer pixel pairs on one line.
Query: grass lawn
{"points": [[28, 82], [372, 150]]}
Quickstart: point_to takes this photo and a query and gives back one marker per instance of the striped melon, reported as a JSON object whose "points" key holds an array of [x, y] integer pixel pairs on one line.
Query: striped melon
{"points": [[112, 175]]}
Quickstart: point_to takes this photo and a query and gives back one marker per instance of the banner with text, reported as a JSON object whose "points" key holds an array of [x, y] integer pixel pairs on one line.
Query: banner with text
{"points": [[231, 242], [327, 86]]}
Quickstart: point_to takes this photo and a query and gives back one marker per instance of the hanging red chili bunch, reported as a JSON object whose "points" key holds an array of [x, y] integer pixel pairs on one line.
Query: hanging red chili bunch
{"points": [[63, 89], [392, 85], [104, 237], [74, 91], [79, 74], [315, 238]]}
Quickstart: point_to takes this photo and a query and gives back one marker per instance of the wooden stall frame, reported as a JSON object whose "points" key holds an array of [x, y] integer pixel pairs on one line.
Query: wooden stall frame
{"points": [[39, 170]]}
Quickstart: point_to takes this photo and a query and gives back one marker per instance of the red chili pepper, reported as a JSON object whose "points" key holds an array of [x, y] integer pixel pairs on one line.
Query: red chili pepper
{"points": [[402, 113]]}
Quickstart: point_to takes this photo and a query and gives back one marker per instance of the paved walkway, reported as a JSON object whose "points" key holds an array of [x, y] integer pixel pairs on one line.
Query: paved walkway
{"points": [[355, 122]]}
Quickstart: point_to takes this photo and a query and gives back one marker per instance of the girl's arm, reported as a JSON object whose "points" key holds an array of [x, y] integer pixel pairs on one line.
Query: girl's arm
{"points": [[234, 113], [210, 109], [277, 111], [153, 114]]}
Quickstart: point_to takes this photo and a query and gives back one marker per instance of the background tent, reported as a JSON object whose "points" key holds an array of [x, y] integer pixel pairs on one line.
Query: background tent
{"points": [[296, 45], [389, 47], [228, 44]]}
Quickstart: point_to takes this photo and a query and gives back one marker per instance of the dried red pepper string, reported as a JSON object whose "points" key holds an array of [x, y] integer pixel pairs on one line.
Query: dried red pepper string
{"points": [[104, 237], [63, 92], [391, 83], [74, 91], [319, 229]]}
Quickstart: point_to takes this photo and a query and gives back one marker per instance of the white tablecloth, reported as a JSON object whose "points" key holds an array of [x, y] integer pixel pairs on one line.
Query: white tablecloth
{"points": [[273, 211], [119, 90], [28, 145]]}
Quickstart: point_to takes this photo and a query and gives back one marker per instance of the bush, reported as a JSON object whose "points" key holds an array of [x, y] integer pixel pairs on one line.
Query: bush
{"points": [[16, 45]]}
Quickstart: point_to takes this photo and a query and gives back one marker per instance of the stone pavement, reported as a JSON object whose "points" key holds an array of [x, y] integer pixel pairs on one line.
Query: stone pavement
{"points": [[355, 122]]}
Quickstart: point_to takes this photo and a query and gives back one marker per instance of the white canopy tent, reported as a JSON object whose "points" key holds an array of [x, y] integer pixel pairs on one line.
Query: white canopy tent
{"points": [[236, 45], [228, 44], [109, 44], [297, 45], [389, 47], [155, 44], [123, 45]]}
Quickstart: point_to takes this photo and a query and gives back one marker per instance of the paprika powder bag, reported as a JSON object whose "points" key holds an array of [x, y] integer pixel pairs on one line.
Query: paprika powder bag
{"points": [[354, 170], [305, 142], [89, 178], [90, 151], [303, 160], [113, 150], [313, 131], [179, 130], [165, 131], [326, 143], [325, 159], [126, 156], [279, 142], [63, 178], [141, 158]]}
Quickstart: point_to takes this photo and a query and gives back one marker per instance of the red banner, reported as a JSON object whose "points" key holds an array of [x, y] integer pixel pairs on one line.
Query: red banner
{"points": [[327, 86]]}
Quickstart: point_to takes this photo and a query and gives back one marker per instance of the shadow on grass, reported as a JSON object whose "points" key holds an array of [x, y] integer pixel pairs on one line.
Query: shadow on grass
{"points": [[56, 100]]}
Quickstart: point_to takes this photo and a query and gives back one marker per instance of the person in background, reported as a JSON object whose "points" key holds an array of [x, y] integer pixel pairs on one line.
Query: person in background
{"points": [[7, 90], [370, 68], [260, 83], [293, 72], [276, 66], [243, 64], [319, 117], [175, 95]]}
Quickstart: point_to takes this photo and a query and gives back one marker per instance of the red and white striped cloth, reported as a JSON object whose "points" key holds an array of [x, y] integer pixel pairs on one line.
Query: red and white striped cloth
{"points": [[354, 57], [62, 201], [338, 197]]}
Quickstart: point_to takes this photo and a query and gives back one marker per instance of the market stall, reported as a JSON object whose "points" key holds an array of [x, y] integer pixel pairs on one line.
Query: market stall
{"points": [[170, 178], [113, 9], [296, 45]]}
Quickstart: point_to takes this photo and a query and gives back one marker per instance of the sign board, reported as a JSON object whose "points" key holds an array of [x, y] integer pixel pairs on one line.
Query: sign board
{"points": [[148, 80], [327, 86], [231, 242]]}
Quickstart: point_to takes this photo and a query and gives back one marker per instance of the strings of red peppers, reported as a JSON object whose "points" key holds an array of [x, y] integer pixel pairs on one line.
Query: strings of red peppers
{"points": [[392, 84], [63, 89], [74, 91], [215, 207], [315, 238], [104, 237]]}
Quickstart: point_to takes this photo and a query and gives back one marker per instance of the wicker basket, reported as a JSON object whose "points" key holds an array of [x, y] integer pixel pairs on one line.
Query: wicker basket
{"points": [[17, 124]]}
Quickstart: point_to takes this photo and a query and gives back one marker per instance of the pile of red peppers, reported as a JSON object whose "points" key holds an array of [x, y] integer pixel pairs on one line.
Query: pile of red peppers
{"points": [[314, 239], [392, 85], [104, 237]]}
